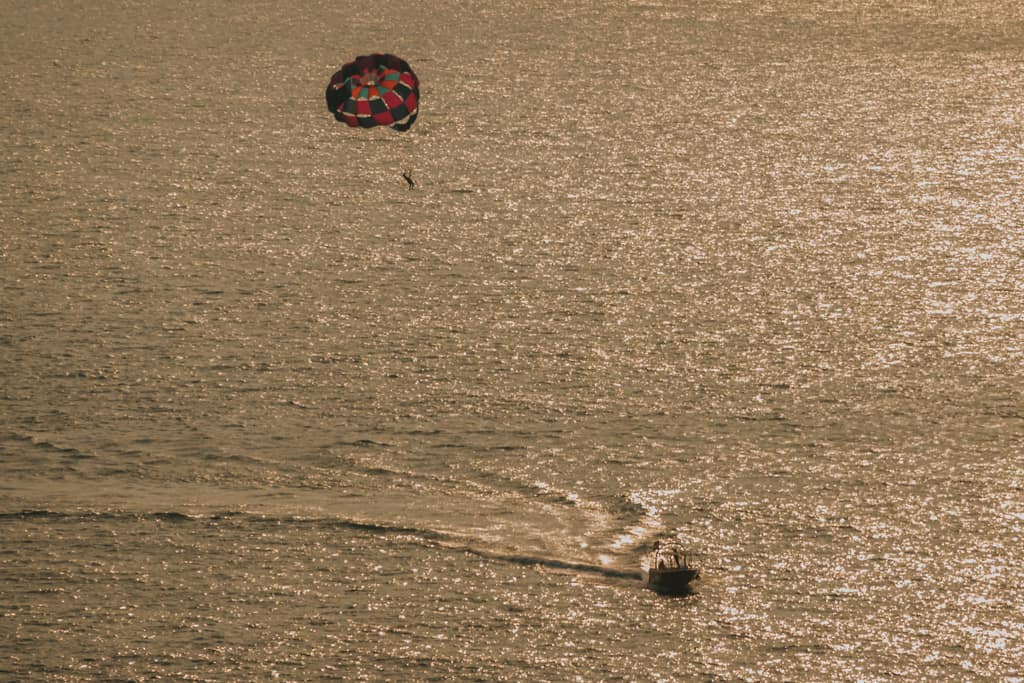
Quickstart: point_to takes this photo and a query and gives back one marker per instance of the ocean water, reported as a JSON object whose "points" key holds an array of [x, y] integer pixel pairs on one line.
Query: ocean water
{"points": [[744, 274]]}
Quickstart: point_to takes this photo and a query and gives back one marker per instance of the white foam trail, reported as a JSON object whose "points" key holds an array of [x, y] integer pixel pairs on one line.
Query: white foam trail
{"points": [[650, 522]]}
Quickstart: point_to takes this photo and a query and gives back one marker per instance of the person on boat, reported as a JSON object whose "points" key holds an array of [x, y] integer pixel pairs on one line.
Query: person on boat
{"points": [[657, 555]]}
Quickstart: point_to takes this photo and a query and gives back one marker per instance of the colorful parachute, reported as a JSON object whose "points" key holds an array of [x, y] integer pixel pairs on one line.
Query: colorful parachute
{"points": [[375, 90]]}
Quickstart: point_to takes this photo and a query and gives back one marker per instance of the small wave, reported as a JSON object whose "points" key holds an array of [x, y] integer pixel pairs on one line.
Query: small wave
{"points": [[381, 528], [171, 516], [122, 515], [62, 515], [30, 514], [362, 443], [47, 445]]}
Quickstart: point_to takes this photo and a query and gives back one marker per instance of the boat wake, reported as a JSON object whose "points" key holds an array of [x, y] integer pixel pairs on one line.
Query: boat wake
{"points": [[456, 542], [547, 562]]}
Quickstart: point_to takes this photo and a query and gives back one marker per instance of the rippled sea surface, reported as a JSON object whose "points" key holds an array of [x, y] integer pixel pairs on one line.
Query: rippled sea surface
{"points": [[747, 274]]}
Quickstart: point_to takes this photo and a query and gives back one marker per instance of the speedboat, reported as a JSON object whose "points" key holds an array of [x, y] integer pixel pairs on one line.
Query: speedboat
{"points": [[669, 570]]}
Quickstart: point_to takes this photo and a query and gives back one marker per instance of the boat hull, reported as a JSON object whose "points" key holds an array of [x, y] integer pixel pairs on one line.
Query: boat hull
{"points": [[673, 581]]}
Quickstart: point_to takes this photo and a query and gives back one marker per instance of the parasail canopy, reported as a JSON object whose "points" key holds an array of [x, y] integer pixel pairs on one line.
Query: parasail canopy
{"points": [[375, 90]]}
